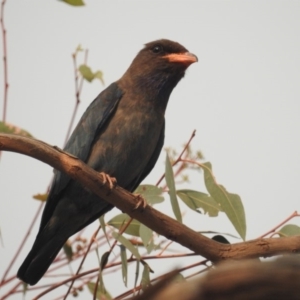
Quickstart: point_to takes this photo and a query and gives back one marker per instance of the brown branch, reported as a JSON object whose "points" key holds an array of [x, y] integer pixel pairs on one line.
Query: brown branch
{"points": [[149, 216]]}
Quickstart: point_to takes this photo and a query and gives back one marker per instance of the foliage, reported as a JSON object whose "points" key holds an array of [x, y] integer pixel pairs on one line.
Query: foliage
{"points": [[10, 128]]}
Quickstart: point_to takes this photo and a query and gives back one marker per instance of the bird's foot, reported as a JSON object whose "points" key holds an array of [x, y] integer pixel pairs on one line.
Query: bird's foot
{"points": [[112, 181], [141, 202]]}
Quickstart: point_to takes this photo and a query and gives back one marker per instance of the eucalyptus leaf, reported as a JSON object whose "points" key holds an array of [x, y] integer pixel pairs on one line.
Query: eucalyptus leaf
{"points": [[99, 75], [169, 175], [151, 193], [195, 200], [122, 219], [127, 244], [104, 259], [10, 128], [68, 250], [25, 288], [145, 281], [289, 230], [231, 204], [102, 223], [101, 293], [124, 264], [74, 2], [41, 197], [146, 235], [137, 273], [86, 73]]}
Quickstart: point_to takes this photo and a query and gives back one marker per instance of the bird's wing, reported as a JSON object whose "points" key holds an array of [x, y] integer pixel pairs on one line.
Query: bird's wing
{"points": [[82, 139]]}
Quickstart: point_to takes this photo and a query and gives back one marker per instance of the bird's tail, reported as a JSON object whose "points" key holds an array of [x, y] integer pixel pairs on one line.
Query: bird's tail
{"points": [[55, 233], [40, 257]]}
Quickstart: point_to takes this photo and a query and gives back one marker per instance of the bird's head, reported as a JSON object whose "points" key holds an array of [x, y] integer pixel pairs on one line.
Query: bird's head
{"points": [[160, 65], [165, 55]]}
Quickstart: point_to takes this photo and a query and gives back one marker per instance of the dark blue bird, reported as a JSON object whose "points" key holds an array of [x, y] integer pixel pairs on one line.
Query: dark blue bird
{"points": [[121, 133]]}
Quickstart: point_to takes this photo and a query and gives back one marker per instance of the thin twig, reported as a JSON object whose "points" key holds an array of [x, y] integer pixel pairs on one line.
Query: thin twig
{"points": [[179, 157], [85, 62], [22, 243], [294, 214], [138, 288], [78, 90], [83, 259], [121, 231], [10, 292], [4, 42]]}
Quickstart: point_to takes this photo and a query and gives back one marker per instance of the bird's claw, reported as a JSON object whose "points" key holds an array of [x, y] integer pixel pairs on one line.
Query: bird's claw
{"points": [[141, 202], [111, 180]]}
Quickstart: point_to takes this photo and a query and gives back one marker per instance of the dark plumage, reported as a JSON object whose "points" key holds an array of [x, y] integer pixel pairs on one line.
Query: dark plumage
{"points": [[121, 133]]}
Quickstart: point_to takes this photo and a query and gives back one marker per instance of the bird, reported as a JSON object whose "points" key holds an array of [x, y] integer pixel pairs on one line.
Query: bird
{"points": [[120, 134]]}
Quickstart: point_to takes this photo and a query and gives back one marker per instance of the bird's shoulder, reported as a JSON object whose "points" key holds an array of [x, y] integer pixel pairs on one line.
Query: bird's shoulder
{"points": [[93, 120]]}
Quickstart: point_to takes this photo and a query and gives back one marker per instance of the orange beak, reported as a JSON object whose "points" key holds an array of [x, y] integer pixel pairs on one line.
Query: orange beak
{"points": [[186, 58]]}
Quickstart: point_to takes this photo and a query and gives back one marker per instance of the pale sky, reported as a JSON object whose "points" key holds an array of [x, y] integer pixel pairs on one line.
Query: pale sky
{"points": [[242, 97]]}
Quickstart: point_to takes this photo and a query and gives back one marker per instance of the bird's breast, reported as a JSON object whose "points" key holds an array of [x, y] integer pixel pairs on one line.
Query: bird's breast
{"points": [[127, 142]]}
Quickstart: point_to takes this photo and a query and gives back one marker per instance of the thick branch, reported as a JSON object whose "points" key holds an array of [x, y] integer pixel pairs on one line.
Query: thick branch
{"points": [[245, 280], [149, 216]]}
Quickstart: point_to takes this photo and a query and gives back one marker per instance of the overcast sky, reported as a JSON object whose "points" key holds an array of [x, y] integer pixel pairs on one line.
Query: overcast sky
{"points": [[242, 97]]}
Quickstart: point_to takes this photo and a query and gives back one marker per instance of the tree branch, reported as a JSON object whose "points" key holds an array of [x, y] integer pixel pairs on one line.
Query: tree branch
{"points": [[149, 216]]}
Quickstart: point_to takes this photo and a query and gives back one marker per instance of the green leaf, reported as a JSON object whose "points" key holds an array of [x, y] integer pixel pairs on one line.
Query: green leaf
{"points": [[172, 190], [25, 288], [127, 244], [196, 200], [104, 259], [289, 230], [86, 73], [124, 264], [102, 223], [146, 235], [151, 193], [145, 281], [98, 257], [41, 197], [102, 293], [79, 48], [220, 239], [218, 232], [99, 75], [231, 204], [68, 250], [9, 128], [122, 219], [137, 273], [74, 2]]}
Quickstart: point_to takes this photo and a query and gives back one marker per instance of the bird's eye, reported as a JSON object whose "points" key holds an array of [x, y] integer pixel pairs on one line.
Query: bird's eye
{"points": [[157, 49]]}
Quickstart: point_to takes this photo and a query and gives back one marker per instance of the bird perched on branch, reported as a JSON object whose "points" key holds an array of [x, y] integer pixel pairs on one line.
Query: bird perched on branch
{"points": [[121, 134]]}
